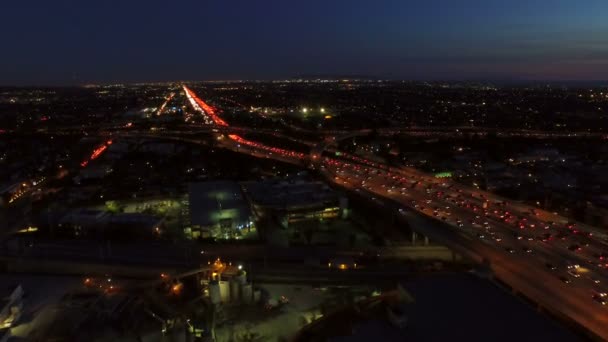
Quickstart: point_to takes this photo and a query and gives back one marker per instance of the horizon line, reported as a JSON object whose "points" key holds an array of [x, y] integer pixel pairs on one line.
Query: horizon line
{"points": [[308, 78]]}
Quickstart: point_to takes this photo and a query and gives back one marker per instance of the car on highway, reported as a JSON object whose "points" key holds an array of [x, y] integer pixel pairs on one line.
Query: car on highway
{"points": [[551, 266], [599, 299], [510, 250], [601, 256], [572, 266], [574, 273], [565, 280]]}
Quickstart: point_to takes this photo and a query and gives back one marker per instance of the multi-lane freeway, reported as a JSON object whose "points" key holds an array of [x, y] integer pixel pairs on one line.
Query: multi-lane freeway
{"points": [[556, 263], [561, 265]]}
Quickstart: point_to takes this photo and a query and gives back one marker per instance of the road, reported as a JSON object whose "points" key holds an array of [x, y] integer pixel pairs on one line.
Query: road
{"points": [[558, 264], [162, 107], [539, 257]]}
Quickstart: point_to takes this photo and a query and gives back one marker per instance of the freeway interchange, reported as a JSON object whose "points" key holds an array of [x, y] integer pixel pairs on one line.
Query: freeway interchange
{"points": [[562, 266]]}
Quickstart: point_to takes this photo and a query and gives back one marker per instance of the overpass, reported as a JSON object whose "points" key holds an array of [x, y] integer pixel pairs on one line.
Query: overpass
{"points": [[525, 273]]}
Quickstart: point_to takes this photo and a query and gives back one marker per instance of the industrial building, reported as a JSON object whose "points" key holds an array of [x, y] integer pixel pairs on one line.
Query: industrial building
{"points": [[98, 223], [218, 210], [295, 200], [236, 290]]}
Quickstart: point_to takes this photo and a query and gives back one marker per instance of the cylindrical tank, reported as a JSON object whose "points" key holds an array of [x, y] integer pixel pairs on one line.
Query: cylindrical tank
{"points": [[241, 277], [235, 289], [225, 291], [257, 296], [247, 293], [214, 292]]}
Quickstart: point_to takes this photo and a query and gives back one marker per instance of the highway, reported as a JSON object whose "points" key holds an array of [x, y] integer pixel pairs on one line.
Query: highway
{"points": [[558, 264], [162, 107], [544, 269]]}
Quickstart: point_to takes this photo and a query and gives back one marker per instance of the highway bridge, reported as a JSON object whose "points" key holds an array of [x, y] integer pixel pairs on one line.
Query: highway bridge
{"points": [[528, 249], [508, 237]]}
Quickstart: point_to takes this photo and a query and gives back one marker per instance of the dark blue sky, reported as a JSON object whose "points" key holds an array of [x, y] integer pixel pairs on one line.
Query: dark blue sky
{"points": [[74, 42]]}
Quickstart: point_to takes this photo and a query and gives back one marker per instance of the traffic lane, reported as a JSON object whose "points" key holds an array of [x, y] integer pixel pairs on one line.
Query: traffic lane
{"points": [[542, 252], [495, 224], [579, 306], [586, 296], [550, 252], [572, 313], [520, 208], [528, 258], [543, 287]]}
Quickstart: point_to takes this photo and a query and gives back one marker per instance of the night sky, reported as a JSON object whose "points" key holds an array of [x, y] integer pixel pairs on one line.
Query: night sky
{"points": [[89, 41]]}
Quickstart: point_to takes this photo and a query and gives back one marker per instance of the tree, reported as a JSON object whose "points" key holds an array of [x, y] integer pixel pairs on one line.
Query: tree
{"points": [[250, 336], [113, 207]]}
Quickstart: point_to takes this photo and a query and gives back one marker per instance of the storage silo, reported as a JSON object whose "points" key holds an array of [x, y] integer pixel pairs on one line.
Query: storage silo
{"points": [[241, 277], [215, 292], [235, 289], [224, 291], [247, 293], [257, 295]]}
